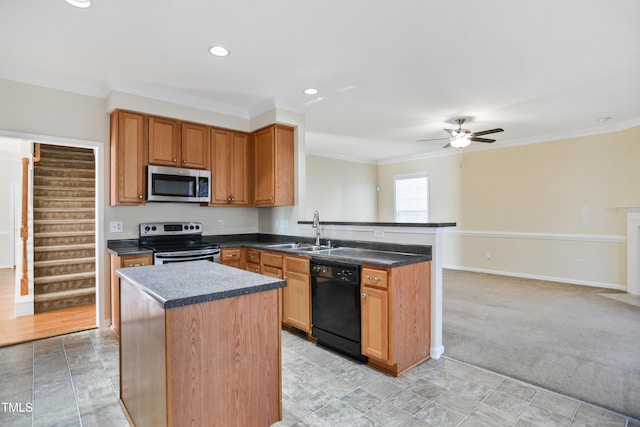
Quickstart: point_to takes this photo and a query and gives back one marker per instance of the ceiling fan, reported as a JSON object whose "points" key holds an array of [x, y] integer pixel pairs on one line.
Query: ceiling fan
{"points": [[461, 138]]}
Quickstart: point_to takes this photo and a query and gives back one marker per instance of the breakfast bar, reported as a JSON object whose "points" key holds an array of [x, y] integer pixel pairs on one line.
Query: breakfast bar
{"points": [[199, 342]]}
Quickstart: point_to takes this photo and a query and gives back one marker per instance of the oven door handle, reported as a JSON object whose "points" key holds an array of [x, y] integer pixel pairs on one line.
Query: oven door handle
{"points": [[184, 258]]}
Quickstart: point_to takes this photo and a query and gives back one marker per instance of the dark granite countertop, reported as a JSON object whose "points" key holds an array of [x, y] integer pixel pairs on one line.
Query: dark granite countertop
{"points": [[126, 247], [370, 253], [186, 283]]}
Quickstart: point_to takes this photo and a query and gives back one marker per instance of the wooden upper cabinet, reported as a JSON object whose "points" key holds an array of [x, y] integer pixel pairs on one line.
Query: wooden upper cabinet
{"points": [[183, 145], [127, 158], [195, 146], [274, 166], [230, 168], [164, 141]]}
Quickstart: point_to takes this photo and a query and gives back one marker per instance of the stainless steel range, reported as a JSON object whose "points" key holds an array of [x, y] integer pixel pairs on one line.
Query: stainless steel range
{"points": [[177, 242]]}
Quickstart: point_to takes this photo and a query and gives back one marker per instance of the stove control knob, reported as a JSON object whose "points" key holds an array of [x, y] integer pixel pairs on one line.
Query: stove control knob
{"points": [[192, 227], [186, 227], [154, 228], [147, 228], [197, 227]]}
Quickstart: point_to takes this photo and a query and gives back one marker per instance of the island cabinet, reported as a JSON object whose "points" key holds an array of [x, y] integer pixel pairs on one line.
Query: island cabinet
{"points": [[296, 297], [274, 166], [396, 307], [231, 166], [192, 358], [178, 144], [116, 263], [233, 257], [128, 158]]}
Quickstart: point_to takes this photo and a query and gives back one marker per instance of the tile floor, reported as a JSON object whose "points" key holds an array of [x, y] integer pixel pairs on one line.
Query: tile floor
{"points": [[72, 381]]}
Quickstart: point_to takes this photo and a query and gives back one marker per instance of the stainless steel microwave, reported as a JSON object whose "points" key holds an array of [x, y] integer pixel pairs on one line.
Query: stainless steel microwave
{"points": [[167, 184]]}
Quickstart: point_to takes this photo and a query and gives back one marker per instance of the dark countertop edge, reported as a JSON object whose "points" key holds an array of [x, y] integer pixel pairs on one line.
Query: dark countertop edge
{"points": [[223, 295], [387, 224], [199, 299]]}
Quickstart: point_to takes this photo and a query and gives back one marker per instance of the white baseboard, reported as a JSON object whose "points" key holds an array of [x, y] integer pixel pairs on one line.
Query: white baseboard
{"points": [[24, 306], [615, 286], [436, 352]]}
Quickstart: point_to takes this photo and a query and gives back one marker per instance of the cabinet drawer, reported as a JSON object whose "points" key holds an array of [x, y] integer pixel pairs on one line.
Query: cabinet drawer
{"points": [[230, 255], [254, 268], [271, 259], [253, 256], [375, 277], [272, 272], [297, 265], [136, 261]]}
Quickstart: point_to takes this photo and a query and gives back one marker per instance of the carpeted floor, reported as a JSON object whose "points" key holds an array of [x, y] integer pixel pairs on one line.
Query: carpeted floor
{"points": [[567, 338]]}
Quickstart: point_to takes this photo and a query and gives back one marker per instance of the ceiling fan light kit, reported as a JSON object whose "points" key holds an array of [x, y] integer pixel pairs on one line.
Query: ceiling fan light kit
{"points": [[460, 138]]}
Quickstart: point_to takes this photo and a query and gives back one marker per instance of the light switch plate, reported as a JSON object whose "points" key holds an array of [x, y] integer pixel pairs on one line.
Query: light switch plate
{"points": [[115, 226]]}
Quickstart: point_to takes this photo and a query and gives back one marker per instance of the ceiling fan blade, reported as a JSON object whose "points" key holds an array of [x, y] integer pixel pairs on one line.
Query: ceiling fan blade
{"points": [[481, 139], [447, 146], [487, 132], [449, 131], [431, 139]]}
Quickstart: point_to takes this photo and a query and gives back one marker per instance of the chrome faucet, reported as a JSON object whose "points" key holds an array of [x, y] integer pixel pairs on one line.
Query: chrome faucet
{"points": [[316, 225]]}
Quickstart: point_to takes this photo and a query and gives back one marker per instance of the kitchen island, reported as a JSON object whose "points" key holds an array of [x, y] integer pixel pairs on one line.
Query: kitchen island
{"points": [[199, 344]]}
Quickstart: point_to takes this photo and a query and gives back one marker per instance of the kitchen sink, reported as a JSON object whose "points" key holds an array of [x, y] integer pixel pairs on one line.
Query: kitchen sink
{"points": [[295, 245], [314, 248]]}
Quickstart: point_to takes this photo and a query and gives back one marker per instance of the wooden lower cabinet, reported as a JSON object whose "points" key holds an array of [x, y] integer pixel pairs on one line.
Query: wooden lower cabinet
{"points": [[233, 257], [116, 263], [271, 264], [296, 296], [252, 260], [396, 316]]}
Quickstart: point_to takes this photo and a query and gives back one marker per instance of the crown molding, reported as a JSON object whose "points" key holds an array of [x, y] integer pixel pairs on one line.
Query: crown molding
{"points": [[174, 97], [51, 82], [274, 103]]}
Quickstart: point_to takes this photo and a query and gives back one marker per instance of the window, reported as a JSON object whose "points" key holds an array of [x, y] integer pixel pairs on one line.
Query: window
{"points": [[412, 197]]}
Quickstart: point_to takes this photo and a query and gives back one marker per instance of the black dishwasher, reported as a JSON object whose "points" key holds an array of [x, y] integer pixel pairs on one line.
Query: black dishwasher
{"points": [[335, 306]]}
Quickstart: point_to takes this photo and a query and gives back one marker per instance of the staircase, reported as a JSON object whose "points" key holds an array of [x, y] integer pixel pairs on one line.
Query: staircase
{"points": [[64, 228]]}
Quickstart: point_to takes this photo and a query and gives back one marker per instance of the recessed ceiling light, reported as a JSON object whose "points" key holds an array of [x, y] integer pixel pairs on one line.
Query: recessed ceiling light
{"points": [[311, 91], [219, 51], [604, 119], [79, 3]]}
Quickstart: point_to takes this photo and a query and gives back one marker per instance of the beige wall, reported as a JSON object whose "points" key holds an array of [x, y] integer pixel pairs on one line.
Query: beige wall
{"points": [[340, 190], [521, 210]]}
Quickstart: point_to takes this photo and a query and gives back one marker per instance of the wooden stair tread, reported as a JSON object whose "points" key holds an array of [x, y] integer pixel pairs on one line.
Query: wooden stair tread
{"points": [[63, 234]]}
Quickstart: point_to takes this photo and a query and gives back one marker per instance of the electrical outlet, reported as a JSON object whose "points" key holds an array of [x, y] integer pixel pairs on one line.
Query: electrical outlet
{"points": [[585, 220], [378, 233], [488, 255], [579, 263], [220, 223], [116, 226]]}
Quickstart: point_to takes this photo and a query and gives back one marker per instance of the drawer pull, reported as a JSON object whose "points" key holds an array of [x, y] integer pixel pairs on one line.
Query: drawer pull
{"points": [[231, 255], [374, 278]]}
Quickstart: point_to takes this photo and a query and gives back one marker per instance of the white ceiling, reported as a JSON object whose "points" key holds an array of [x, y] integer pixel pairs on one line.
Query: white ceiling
{"points": [[389, 72]]}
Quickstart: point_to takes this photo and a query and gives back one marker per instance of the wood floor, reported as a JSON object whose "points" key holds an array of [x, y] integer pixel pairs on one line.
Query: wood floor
{"points": [[28, 328]]}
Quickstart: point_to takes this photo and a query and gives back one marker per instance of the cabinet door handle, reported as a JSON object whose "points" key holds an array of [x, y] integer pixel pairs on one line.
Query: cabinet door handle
{"points": [[184, 161], [363, 295], [271, 198], [374, 278], [139, 197], [175, 160], [228, 199]]}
